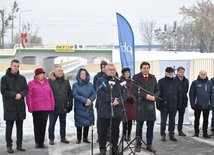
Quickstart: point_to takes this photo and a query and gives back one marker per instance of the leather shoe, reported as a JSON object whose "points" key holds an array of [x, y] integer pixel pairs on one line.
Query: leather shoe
{"points": [[195, 135], [173, 138], [150, 148], [20, 149], [138, 149], [180, 133], [163, 138], [86, 141], [64, 141], [51, 142], [10, 150], [78, 141], [206, 136]]}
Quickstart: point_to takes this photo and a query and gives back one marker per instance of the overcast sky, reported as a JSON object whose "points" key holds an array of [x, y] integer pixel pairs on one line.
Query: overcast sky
{"points": [[92, 21]]}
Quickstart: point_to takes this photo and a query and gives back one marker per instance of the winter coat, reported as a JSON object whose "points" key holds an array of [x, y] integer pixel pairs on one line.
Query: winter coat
{"points": [[62, 93], [97, 76], [170, 92], [184, 84], [40, 96], [145, 108], [130, 105], [201, 94], [12, 84], [105, 99], [83, 90]]}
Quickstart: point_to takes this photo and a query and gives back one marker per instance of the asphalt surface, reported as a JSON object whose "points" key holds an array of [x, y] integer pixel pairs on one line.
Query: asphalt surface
{"points": [[184, 146]]}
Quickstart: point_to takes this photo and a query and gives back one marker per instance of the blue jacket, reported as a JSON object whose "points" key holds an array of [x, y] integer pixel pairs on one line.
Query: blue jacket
{"points": [[201, 94], [83, 90]]}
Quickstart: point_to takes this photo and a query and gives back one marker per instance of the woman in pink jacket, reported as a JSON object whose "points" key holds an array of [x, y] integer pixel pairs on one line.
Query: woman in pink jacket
{"points": [[40, 102]]}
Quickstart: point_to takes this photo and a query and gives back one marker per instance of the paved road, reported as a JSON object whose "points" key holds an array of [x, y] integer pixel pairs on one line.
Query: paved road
{"points": [[184, 146]]}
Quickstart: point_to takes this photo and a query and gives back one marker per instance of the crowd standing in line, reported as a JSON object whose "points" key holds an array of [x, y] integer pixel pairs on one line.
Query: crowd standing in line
{"points": [[54, 97]]}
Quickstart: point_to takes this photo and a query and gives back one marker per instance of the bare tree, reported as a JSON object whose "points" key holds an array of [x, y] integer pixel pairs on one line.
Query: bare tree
{"points": [[5, 20], [201, 18], [147, 32]]}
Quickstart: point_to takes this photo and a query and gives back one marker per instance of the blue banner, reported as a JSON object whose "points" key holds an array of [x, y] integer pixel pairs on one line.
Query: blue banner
{"points": [[126, 43]]}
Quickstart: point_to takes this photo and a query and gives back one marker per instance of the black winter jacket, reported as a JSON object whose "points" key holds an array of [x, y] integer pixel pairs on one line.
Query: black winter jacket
{"points": [[170, 92], [145, 108], [184, 84], [201, 94], [12, 84], [104, 97], [62, 93]]}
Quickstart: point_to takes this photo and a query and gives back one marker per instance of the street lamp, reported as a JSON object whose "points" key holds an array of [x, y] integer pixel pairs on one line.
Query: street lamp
{"points": [[20, 27]]}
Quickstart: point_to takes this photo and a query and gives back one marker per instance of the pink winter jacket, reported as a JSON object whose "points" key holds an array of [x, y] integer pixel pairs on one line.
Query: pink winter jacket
{"points": [[40, 96]]}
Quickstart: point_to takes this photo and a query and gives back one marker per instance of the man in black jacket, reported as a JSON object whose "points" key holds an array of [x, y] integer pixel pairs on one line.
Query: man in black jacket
{"points": [[63, 103], [109, 95], [184, 83], [14, 89], [170, 92], [201, 96]]}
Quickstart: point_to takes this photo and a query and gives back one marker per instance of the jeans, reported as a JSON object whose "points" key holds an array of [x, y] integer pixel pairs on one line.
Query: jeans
{"points": [[52, 121], [149, 132]]}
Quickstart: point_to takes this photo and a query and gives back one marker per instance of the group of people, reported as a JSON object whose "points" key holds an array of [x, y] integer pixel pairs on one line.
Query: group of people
{"points": [[117, 99]]}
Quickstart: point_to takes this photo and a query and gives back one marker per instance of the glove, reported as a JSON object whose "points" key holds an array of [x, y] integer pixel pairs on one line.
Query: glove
{"points": [[130, 100]]}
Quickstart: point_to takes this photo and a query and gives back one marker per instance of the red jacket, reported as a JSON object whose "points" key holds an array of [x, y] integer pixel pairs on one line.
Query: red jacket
{"points": [[40, 96]]}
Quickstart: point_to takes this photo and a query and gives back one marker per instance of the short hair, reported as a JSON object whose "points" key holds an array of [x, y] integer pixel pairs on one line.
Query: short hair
{"points": [[144, 63], [180, 68], [14, 60]]}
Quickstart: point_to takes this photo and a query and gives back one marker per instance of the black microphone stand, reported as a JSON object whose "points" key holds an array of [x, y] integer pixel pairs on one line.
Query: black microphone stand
{"points": [[137, 138]]}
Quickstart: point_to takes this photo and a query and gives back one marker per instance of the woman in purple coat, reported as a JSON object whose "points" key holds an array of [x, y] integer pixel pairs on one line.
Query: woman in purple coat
{"points": [[40, 102], [129, 104]]}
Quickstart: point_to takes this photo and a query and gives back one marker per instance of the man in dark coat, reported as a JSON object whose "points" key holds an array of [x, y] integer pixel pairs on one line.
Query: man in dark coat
{"points": [[212, 120], [201, 96], [63, 103], [170, 92], [97, 76], [145, 104], [184, 84], [110, 97], [14, 89]]}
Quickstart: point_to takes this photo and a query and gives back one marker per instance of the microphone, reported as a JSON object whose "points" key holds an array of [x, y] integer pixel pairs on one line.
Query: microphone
{"points": [[117, 78], [111, 83], [129, 79], [123, 84], [100, 86]]}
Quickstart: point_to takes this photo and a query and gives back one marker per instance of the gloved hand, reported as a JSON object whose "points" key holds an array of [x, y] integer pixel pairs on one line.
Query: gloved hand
{"points": [[130, 100]]}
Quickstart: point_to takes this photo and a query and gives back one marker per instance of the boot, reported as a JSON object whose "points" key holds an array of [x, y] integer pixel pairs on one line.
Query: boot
{"points": [[10, 150]]}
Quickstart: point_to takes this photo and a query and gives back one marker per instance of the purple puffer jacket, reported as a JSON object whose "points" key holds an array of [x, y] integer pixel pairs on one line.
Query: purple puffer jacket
{"points": [[40, 96]]}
